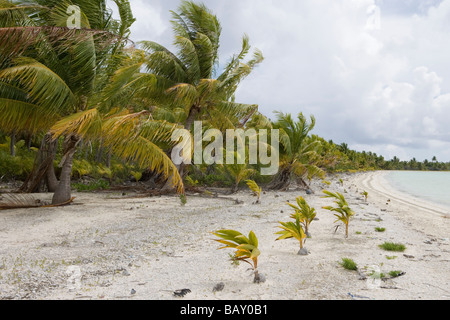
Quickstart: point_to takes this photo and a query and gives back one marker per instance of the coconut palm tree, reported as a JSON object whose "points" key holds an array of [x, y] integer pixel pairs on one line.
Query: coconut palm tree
{"points": [[59, 79], [298, 150], [186, 80], [183, 86]]}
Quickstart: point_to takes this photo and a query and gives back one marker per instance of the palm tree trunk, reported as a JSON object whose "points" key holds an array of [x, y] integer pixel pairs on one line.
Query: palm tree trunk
{"points": [[12, 144], [235, 188], [63, 191], [42, 164], [98, 157], [51, 180], [182, 167], [191, 118], [108, 159], [29, 141], [282, 180]]}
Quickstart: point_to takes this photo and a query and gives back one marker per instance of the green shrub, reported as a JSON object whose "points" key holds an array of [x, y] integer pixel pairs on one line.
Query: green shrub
{"points": [[18, 167], [91, 186]]}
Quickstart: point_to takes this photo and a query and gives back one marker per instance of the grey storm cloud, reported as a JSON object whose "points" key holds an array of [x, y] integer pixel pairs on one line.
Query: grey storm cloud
{"points": [[375, 73]]}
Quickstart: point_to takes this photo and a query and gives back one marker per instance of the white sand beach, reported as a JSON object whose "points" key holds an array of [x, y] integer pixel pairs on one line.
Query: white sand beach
{"points": [[110, 246]]}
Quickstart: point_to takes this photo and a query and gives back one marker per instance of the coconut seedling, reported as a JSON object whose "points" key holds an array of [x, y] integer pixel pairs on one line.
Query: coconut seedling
{"points": [[256, 189], [343, 211], [366, 195], [246, 249], [307, 214], [293, 230]]}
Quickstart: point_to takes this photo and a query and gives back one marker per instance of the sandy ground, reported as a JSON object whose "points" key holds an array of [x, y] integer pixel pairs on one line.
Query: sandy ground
{"points": [[106, 246]]}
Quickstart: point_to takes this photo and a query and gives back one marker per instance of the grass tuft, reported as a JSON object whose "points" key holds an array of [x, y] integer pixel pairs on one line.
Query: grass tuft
{"points": [[349, 264], [396, 273], [390, 246]]}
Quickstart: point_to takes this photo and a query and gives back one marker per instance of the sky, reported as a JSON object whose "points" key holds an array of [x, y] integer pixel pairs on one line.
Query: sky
{"points": [[374, 73]]}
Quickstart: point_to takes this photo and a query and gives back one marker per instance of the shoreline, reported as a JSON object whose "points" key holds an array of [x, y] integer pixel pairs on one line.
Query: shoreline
{"points": [[125, 248], [424, 203], [377, 184]]}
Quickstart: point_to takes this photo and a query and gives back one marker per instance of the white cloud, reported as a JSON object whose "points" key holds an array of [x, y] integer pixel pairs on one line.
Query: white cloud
{"points": [[383, 86]]}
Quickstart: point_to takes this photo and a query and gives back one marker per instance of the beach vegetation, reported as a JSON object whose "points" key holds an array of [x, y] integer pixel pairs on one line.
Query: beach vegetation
{"points": [[183, 199], [390, 246], [294, 230], [379, 229], [396, 273], [91, 186], [137, 175], [365, 194], [298, 152], [189, 181], [237, 173], [343, 212], [75, 103], [246, 248], [348, 264], [306, 213], [63, 92], [253, 186]]}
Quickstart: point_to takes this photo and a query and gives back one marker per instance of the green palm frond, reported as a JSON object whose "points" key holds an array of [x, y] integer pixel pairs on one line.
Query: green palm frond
{"points": [[135, 139], [187, 53], [343, 212], [86, 124], [19, 15], [22, 116], [292, 230], [246, 247], [255, 188], [43, 86], [184, 92]]}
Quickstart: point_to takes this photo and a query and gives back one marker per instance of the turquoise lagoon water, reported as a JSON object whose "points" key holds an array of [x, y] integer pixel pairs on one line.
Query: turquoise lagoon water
{"points": [[429, 186]]}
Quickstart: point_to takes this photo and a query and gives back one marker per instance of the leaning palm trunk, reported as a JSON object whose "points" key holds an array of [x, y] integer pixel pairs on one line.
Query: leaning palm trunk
{"points": [[43, 168], [282, 180], [50, 178], [63, 191]]}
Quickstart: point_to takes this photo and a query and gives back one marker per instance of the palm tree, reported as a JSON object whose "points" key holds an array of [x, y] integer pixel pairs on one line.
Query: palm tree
{"points": [[62, 74], [298, 153], [182, 86], [185, 83], [237, 172], [185, 80]]}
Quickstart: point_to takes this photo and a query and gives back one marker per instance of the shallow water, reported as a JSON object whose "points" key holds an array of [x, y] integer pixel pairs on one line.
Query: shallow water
{"points": [[429, 186]]}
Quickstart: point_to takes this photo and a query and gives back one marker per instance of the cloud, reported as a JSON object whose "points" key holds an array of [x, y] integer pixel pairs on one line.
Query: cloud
{"points": [[376, 74]]}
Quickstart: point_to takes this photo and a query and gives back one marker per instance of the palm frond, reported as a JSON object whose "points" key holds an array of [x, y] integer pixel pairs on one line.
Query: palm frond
{"points": [[43, 86], [86, 124]]}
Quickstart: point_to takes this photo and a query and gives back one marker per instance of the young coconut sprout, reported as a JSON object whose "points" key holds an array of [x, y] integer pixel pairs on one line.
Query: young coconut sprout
{"points": [[344, 213], [294, 230], [246, 249], [256, 189], [307, 214], [366, 195]]}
